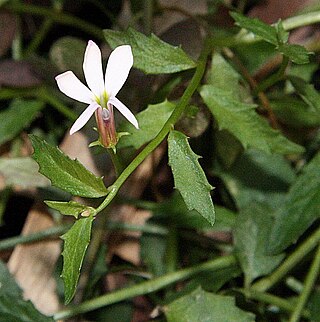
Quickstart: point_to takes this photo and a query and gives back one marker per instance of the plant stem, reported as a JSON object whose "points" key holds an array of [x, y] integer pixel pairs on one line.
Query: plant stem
{"points": [[147, 17], [117, 164], [301, 20], [59, 17], [273, 300], [307, 289], [266, 283], [172, 250], [146, 287], [50, 232], [193, 85]]}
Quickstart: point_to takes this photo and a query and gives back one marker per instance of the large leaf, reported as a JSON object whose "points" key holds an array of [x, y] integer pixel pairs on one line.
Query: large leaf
{"points": [[203, 306], [151, 54], [189, 177], [71, 208], [244, 123], [65, 173], [17, 117], [250, 240], [151, 121], [76, 241], [22, 172], [301, 207]]}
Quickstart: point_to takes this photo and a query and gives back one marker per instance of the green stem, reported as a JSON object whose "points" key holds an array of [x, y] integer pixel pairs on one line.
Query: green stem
{"points": [[172, 250], [193, 85], [273, 300], [59, 17], [117, 164], [294, 259], [307, 289], [146, 287], [301, 20], [274, 78], [50, 232], [148, 15], [146, 228]]}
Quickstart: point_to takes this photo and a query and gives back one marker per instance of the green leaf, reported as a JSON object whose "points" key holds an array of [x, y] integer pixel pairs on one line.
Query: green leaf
{"points": [[151, 121], [151, 54], [296, 53], [7, 282], [22, 172], [17, 117], [189, 177], [270, 178], [76, 241], [71, 208], [259, 28], [65, 173], [244, 123], [251, 235], [300, 208], [203, 306]]}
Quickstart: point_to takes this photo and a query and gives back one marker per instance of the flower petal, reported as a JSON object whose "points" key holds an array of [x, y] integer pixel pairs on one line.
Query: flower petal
{"points": [[118, 67], [70, 85], [92, 67], [84, 117], [124, 111]]}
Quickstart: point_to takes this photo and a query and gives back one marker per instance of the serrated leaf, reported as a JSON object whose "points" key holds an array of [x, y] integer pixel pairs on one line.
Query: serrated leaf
{"points": [[251, 235], [301, 207], [71, 208], [296, 53], [204, 306], [244, 123], [76, 241], [22, 172], [17, 117], [259, 28], [65, 173], [151, 54], [189, 177], [151, 121]]}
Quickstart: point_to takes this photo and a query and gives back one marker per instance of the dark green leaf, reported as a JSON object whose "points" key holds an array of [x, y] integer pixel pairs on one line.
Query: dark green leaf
{"points": [[71, 208], [17, 117], [151, 54], [244, 123], [151, 121], [76, 241], [296, 53], [65, 173], [203, 306], [251, 235], [22, 172], [259, 28], [189, 177], [8, 284], [301, 207]]}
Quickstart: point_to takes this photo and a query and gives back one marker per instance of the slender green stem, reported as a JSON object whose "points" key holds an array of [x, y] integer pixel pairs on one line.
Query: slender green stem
{"points": [[146, 228], [172, 250], [148, 15], [273, 300], [193, 85], [146, 287], [50, 232], [301, 20], [307, 289], [117, 163], [266, 283], [59, 17], [274, 78]]}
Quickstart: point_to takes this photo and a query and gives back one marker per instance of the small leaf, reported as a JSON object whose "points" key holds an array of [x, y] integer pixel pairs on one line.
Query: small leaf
{"points": [[76, 241], [244, 123], [22, 172], [17, 117], [151, 54], [300, 208], [259, 28], [203, 306], [296, 53], [151, 121], [189, 177], [250, 240], [71, 208], [65, 173]]}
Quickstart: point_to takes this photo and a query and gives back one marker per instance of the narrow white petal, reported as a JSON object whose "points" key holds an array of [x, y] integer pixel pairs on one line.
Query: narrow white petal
{"points": [[70, 85], [118, 67], [92, 67], [84, 117], [124, 111]]}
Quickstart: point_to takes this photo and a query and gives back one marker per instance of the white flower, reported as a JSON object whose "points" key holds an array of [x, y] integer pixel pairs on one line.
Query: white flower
{"points": [[101, 92]]}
